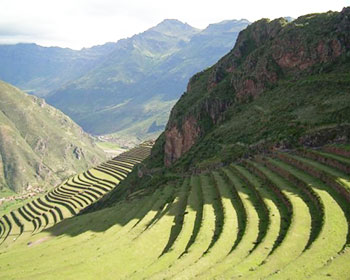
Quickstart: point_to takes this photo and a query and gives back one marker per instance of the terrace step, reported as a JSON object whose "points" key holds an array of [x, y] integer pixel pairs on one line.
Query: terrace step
{"points": [[330, 240]]}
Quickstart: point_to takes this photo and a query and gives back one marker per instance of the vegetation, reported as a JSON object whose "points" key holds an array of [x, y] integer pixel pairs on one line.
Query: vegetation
{"points": [[256, 183], [39, 145], [69, 198], [256, 99], [251, 220]]}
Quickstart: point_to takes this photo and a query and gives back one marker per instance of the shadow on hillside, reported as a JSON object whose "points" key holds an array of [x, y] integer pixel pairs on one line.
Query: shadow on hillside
{"points": [[173, 200], [119, 215], [134, 211]]}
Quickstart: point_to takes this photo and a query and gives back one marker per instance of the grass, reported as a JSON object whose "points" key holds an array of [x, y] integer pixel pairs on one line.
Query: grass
{"points": [[226, 230], [203, 237], [334, 156], [107, 145], [66, 200], [251, 222], [183, 236], [335, 268], [261, 248], [334, 228], [8, 206], [5, 192], [298, 231], [343, 179]]}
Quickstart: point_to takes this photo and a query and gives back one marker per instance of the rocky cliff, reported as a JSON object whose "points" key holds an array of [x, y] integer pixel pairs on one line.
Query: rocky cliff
{"points": [[266, 54]]}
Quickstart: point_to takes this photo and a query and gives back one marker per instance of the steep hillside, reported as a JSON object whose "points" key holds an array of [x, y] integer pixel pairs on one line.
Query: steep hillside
{"points": [[132, 91], [39, 145], [40, 70], [283, 85]]}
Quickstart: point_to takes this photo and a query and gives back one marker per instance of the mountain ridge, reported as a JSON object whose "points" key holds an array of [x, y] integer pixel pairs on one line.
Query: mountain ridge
{"points": [[142, 76], [39, 145], [265, 54]]}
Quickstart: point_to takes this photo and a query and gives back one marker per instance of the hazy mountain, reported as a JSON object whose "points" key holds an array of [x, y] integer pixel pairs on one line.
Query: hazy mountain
{"points": [[126, 87], [133, 90], [39, 70], [39, 145]]}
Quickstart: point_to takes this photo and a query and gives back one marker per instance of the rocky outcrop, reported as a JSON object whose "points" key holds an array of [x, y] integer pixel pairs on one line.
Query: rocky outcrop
{"points": [[265, 52], [180, 136], [179, 140]]}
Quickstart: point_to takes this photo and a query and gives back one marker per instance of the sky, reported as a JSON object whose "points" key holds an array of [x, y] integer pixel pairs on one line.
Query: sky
{"points": [[85, 23]]}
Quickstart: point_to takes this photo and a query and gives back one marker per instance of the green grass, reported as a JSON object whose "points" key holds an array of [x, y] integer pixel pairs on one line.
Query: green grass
{"points": [[107, 145], [8, 206], [266, 220], [298, 231], [334, 228], [203, 237], [335, 268], [343, 179], [66, 200], [238, 221], [262, 248], [179, 245], [225, 234], [6, 192], [334, 156]]}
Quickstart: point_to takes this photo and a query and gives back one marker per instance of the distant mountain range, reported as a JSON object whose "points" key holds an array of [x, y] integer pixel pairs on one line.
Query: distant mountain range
{"points": [[126, 88], [41, 70]]}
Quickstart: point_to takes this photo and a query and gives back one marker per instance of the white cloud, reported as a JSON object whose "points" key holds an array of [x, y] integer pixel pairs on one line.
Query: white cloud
{"points": [[83, 23]]}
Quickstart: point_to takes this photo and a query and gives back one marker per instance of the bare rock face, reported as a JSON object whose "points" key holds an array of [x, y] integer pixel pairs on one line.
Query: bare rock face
{"points": [[179, 140], [265, 52]]}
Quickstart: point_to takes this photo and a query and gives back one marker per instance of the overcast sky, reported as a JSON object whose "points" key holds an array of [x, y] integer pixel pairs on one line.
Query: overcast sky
{"points": [[84, 23]]}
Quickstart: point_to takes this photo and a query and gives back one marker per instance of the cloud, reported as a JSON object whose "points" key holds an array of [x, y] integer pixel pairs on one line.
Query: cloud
{"points": [[83, 23]]}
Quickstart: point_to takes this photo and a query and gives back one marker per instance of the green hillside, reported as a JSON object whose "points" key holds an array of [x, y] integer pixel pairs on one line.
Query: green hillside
{"points": [[250, 179], [39, 145], [283, 85], [285, 216], [68, 199]]}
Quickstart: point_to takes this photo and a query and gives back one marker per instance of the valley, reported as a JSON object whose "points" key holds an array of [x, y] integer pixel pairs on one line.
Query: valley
{"points": [[246, 175], [126, 89]]}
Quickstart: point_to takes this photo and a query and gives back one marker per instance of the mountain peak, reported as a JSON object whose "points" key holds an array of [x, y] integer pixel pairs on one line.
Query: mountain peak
{"points": [[174, 27], [172, 23]]}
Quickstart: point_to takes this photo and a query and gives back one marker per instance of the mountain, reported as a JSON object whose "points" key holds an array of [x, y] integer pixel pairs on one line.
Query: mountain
{"points": [[284, 84], [39, 145], [250, 180], [132, 91], [40, 70]]}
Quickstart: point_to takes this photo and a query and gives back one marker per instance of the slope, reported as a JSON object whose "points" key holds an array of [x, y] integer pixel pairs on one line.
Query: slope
{"points": [[245, 221], [283, 85], [39, 145], [143, 77]]}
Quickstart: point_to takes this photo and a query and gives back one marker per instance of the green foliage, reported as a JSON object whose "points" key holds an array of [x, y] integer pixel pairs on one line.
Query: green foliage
{"points": [[295, 102]]}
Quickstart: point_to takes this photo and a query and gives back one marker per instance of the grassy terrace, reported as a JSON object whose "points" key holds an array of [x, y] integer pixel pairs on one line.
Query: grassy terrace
{"points": [[69, 198], [280, 217]]}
